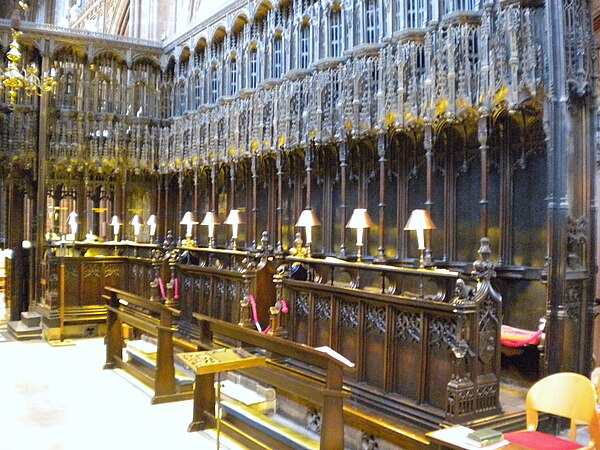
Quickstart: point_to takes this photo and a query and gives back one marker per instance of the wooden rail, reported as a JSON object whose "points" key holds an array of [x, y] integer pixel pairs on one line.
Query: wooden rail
{"points": [[156, 320], [329, 396]]}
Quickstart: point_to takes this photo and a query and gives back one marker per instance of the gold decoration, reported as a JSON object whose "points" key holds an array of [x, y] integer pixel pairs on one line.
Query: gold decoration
{"points": [[16, 77]]}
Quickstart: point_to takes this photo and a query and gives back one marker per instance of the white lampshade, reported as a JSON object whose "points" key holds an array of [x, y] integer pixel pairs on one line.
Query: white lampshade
{"points": [[137, 225], [210, 220], [234, 219], [115, 223], [308, 219], [419, 221], [189, 221], [360, 220], [152, 224], [72, 222]]}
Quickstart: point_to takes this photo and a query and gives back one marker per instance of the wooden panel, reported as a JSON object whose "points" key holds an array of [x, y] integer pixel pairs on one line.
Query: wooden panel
{"points": [[205, 298], [374, 345], [439, 369], [113, 274], [91, 282], [73, 280], [322, 323], [348, 331], [299, 313], [406, 351]]}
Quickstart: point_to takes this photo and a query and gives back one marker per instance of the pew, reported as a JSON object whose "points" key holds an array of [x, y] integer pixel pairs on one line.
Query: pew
{"points": [[327, 394], [154, 319]]}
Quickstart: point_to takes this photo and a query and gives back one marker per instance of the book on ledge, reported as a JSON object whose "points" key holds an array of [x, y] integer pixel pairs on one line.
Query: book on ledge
{"points": [[484, 437], [331, 352]]}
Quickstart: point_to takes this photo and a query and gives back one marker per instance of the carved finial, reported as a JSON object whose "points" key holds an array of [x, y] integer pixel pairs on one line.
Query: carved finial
{"points": [[483, 265], [464, 294], [264, 241]]}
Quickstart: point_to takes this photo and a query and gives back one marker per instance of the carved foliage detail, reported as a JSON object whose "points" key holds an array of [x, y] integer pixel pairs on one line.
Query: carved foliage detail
{"points": [[349, 315], [573, 295], [408, 327], [323, 308], [92, 271], [376, 319], [578, 46], [112, 270], [442, 332], [301, 305], [488, 329], [577, 231]]}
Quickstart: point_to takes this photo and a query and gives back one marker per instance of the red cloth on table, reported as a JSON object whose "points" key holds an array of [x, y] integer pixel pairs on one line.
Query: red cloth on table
{"points": [[537, 440]]}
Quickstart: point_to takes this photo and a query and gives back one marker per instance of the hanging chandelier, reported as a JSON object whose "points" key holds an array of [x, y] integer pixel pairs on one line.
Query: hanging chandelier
{"points": [[15, 76]]}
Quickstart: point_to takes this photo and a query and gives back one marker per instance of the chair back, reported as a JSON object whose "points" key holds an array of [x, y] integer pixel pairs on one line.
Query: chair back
{"points": [[568, 395]]}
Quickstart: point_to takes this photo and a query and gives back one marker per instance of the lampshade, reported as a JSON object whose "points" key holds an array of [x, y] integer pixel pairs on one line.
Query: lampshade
{"points": [[210, 219], [72, 222], [360, 219], [137, 225], [136, 221], [419, 220], [188, 219], [152, 224], [234, 217], [308, 219], [72, 219], [115, 222]]}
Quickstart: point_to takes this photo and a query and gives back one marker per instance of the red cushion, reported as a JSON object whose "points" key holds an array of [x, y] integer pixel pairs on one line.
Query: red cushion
{"points": [[516, 337], [541, 441]]}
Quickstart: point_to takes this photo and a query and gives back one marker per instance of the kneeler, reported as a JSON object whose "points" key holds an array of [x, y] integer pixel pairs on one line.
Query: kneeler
{"points": [[516, 337], [537, 440]]}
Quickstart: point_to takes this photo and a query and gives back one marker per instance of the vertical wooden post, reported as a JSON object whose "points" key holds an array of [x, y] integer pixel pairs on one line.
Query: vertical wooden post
{"points": [[279, 225], [213, 189], [123, 207], [158, 208], [179, 206], [308, 160], [332, 428], [428, 144], [42, 173], [61, 297], [82, 200], [343, 206], [483, 148], [381, 149], [204, 402], [196, 199], [166, 206], [164, 379], [114, 341], [253, 220]]}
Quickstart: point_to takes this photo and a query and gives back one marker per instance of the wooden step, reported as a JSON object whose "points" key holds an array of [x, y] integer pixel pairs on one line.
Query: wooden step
{"points": [[139, 351], [271, 432]]}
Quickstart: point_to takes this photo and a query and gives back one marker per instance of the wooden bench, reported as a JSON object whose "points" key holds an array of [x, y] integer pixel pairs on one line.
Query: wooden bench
{"points": [[327, 394], [156, 320]]}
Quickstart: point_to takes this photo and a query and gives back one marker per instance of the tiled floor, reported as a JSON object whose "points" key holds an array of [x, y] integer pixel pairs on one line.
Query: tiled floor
{"points": [[59, 398]]}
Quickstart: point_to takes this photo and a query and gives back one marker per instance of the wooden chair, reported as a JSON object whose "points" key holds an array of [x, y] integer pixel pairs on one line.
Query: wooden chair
{"points": [[568, 395]]}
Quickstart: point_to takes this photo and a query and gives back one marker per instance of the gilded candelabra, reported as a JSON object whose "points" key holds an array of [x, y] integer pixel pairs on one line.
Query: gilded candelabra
{"points": [[16, 77]]}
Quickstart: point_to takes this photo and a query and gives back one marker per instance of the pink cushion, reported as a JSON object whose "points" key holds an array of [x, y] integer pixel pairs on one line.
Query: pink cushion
{"points": [[541, 441], [517, 337]]}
